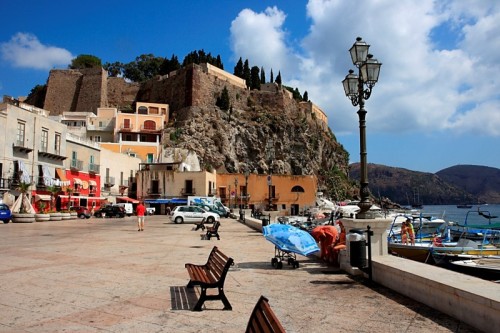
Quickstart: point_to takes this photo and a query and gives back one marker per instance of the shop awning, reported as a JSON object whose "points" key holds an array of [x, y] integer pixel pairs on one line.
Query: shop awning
{"points": [[92, 182], [61, 181], [178, 201], [127, 199], [74, 197], [157, 201], [42, 197]]}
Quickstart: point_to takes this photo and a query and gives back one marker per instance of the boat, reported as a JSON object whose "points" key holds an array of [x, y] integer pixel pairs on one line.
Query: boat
{"points": [[464, 206], [485, 233], [486, 268]]}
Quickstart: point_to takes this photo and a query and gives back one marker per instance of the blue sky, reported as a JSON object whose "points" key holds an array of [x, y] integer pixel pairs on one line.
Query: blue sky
{"points": [[436, 103]]}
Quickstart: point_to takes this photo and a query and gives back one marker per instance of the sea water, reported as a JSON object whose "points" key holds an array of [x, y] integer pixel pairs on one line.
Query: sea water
{"points": [[459, 215]]}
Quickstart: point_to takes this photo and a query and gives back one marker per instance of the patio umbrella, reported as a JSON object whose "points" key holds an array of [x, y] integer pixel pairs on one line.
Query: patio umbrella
{"points": [[290, 239]]}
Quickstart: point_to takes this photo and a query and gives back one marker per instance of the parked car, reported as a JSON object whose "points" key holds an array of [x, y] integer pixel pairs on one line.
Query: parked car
{"points": [[5, 213], [110, 211], [127, 206], [150, 210], [82, 212], [183, 214]]}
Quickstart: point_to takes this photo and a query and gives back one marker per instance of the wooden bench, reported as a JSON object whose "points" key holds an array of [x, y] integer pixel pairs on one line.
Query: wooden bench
{"points": [[210, 275], [200, 225], [263, 319], [213, 231]]}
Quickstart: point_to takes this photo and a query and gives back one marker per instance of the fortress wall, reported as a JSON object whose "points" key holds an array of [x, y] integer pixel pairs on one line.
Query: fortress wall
{"points": [[121, 94], [93, 90], [63, 86]]}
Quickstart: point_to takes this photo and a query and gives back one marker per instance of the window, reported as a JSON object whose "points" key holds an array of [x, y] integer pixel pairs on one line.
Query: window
{"points": [[57, 144], [20, 134], [126, 123], [97, 138], [150, 158], [298, 188], [45, 140], [149, 125], [142, 110]]}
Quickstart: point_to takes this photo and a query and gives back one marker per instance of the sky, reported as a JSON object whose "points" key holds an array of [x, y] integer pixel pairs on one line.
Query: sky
{"points": [[436, 103]]}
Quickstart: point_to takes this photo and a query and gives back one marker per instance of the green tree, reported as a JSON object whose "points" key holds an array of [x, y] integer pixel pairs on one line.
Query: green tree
{"points": [[223, 101], [238, 69], [306, 97], [169, 65], [37, 95], [85, 61], [144, 67], [200, 57], [262, 76], [114, 69], [278, 78], [254, 78], [272, 76], [246, 73]]}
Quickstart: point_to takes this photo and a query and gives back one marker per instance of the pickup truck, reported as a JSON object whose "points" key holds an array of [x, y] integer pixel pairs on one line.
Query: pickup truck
{"points": [[150, 211]]}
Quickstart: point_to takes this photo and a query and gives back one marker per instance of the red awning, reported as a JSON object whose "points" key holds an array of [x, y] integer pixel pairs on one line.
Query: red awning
{"points": [[127, 199]]}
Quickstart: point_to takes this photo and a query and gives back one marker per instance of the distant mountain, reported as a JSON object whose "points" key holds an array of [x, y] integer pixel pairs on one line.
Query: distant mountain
{"points": [[482, 182], [457, 184]]}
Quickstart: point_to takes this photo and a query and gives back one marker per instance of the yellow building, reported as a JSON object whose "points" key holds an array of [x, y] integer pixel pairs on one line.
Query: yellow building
{"points": [[139, 134], [287, 193]]}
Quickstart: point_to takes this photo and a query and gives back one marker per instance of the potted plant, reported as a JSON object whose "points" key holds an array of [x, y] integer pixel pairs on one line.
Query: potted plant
{"points": [[41, 216], [54, 214], [25, 214], [65, 214]]}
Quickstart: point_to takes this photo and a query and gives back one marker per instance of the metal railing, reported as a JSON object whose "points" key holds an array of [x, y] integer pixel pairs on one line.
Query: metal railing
{"points": [[94, 167], [76, 164]]}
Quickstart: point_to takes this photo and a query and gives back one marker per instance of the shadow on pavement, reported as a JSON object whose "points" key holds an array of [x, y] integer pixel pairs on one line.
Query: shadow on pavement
{"points": [[182, 298]]}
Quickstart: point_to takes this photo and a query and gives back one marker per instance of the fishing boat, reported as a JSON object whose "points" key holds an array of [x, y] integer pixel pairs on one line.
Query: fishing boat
{"points": [[485, 233], [486, 268], [464, 205]]}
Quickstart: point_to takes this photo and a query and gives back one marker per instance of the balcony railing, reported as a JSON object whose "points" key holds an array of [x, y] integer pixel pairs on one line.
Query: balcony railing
{"points": [[94, 168], [188, 191], [109, 181], [76, 164], [126, 127], [5, 183]]}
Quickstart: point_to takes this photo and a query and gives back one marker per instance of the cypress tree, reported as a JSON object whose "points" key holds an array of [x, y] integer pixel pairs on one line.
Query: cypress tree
{"points": [[278, 78], [238, 69], [262, 76], [255, 80], [246, 74]]}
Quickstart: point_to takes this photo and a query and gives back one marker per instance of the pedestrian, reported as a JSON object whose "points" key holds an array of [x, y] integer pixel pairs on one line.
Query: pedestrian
{"points": [[407, 232], [140, 211]]}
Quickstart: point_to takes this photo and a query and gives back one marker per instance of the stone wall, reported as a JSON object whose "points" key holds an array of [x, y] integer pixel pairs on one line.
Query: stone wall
{"points": [[63, 86]]}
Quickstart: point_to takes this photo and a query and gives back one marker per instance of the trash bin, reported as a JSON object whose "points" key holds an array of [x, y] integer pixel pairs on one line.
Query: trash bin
{"points": [[357, 248], [265, 221], [242, 216]]}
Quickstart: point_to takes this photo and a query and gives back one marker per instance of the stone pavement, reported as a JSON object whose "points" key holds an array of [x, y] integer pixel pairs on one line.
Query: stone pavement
{"points": [[102, 275]]}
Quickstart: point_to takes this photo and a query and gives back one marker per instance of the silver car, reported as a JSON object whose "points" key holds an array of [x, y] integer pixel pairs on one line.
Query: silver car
{"points": [[183, 214]]}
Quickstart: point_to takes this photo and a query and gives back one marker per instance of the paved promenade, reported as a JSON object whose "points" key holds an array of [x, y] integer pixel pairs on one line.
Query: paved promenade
{"points": [[102, 275]]}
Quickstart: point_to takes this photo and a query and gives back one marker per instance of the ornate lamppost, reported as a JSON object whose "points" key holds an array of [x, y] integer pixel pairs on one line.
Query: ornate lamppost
{"points": [[354, 87], [270, 158], [247, 173], [236, 192]]}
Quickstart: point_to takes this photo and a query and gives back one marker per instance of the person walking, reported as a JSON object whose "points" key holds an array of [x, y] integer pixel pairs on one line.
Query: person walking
{"points": [[141, 212]]}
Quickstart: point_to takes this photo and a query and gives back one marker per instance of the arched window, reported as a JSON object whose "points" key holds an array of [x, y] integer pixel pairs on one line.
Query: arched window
{"points": [[297, 189], [142, 110], [149, 125]]}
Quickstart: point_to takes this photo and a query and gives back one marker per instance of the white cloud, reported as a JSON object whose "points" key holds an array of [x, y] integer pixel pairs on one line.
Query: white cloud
{"points": [[421, 88], [25, 50]]}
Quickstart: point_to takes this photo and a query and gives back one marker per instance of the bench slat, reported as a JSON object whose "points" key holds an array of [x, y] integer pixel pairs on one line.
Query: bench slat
{"points": [[263, 319], [210, 275]]}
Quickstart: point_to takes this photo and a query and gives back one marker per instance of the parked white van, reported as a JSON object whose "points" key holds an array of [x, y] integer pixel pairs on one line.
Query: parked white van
{"points": [[127, 206]]}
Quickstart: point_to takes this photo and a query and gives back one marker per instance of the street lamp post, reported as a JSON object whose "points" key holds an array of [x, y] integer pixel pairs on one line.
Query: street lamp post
{"points": [[247, 173], [236, 192], [354, 87], [270, 158]]}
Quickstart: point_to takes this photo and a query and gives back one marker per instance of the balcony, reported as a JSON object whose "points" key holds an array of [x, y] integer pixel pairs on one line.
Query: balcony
{"points": [[76, 165], [5, 183], [126, 127], [150, 128], [188, 191], [274, 197], [154, 193], [109, 181], [20, 146], [94, 168], [55, 156]]}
